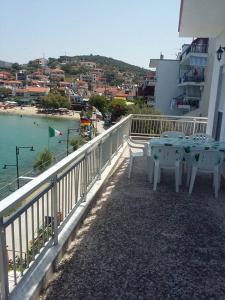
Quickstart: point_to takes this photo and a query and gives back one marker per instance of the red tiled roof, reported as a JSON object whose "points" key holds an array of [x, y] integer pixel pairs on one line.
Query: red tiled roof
{"points": [[12, 81], [33, 89]]}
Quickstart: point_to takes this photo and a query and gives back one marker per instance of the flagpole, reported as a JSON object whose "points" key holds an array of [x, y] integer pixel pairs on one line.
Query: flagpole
{"points": [[48, 138]]}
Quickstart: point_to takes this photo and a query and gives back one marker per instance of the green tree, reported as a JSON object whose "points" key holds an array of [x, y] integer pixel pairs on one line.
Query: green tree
{"points": [[139, 107], [100, 102], [32, 66], [67, 68], [16, 67], [52, 62], [5, 92], [43, 160], [119, 108], [55, 100]]}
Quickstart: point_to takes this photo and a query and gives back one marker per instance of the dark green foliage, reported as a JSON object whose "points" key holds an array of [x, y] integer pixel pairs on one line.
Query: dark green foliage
{"points": [[16, 67], [112, 64], [139, 107], [43, 160], [70, 69], [76, 143], [100, 102], [32, 66], [119, 108], [5, 92], [52, 62], [112, 78], [55, 100]]}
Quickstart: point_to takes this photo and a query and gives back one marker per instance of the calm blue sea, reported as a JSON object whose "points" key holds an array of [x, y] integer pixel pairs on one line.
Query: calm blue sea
{"points": [[28, 131]]}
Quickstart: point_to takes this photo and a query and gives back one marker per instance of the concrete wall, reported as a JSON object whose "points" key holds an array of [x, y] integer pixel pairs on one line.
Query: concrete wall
{"points": [[166, 89]]}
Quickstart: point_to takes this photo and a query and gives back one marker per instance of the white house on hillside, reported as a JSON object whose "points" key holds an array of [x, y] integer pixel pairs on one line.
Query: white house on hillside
{"points": [[179, 89], [206, 18]]}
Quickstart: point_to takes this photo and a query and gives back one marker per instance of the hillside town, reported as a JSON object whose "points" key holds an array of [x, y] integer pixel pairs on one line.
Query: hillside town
{"points": [[77, 79], [184, 92]]}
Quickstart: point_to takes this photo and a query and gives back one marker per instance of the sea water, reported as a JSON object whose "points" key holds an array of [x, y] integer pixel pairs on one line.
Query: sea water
{"points": [[27, 131]]}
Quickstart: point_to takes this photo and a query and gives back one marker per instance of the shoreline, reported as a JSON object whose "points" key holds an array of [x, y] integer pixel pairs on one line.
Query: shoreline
{"points": [[32, 111]]}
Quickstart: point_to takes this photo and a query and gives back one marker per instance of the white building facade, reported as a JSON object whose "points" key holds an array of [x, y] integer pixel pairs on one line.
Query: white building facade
{"points": [[206, 18], [179, 89], [166, 85]]}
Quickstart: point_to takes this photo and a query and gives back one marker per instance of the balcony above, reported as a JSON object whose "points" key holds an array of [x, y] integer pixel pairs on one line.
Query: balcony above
{"points": [[192, 80], [203, 18], [195, 55]]}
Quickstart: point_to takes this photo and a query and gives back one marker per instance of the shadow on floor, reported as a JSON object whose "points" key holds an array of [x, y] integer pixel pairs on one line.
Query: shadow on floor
{"points": [[140, 244]]}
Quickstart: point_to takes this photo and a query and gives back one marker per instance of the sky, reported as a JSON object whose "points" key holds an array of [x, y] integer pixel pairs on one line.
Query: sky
{"points": [[129, 30]]}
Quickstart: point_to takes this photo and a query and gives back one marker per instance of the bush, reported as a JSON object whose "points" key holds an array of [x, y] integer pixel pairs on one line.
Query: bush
{"points": [[119, 108]]}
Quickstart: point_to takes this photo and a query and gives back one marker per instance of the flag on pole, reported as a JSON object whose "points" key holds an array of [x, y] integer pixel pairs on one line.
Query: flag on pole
{"points": [[53, 132], [85, 121]]}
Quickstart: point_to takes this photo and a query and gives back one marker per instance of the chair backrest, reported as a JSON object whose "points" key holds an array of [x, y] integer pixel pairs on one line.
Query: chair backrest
{"points": [[172, 134], [128, 140], [203, 137], [167, 155], [206, 160]]}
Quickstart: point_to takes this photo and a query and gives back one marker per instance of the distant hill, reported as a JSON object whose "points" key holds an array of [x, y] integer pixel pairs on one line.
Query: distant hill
{"points": [[111, 63], [116, 71]]}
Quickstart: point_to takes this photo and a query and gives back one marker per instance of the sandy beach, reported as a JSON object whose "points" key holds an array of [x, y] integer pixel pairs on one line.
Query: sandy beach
{"points": [[33, 111]]}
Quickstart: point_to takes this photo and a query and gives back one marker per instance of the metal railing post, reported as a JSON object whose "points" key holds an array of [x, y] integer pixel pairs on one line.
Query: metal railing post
{"points": [[100, 160], [3, 263], [110, 148], [85, 177], [117, 140], [160, 127], [194, 126], [55, 209], [130, 126]]}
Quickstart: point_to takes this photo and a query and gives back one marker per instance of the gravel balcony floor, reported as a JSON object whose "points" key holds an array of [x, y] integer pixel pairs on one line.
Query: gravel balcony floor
{"points": [[140, 244]]}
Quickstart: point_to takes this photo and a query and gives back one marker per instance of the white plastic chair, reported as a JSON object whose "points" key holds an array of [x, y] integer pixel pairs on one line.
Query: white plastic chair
{"points": [[137, 149], [207, 161], [172, 134], [167, 157], [201, 137]]}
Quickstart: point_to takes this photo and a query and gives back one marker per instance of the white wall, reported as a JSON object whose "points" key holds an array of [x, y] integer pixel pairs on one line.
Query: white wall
{"points": [[204, 103], [166, 89], [213, 86]]}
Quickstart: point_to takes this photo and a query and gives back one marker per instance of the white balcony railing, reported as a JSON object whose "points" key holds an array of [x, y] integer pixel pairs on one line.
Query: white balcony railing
{"points": [[153, 125], [32, 217]]}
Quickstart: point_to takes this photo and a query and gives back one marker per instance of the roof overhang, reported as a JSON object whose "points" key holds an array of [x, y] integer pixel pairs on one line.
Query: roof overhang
{"points": [[201, 18]]}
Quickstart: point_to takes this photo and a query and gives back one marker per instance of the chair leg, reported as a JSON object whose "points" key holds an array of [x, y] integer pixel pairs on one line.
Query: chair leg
{"points": [[216, 182], [193, 175], [130, 166], [150, 166], [156, 174], [159, 175], [177, 178], [188, 174], [180, 173]]}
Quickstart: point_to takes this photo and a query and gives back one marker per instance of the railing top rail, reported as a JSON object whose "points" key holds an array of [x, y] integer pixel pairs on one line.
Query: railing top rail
{"points": [[170, 117], [16, 197]]}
